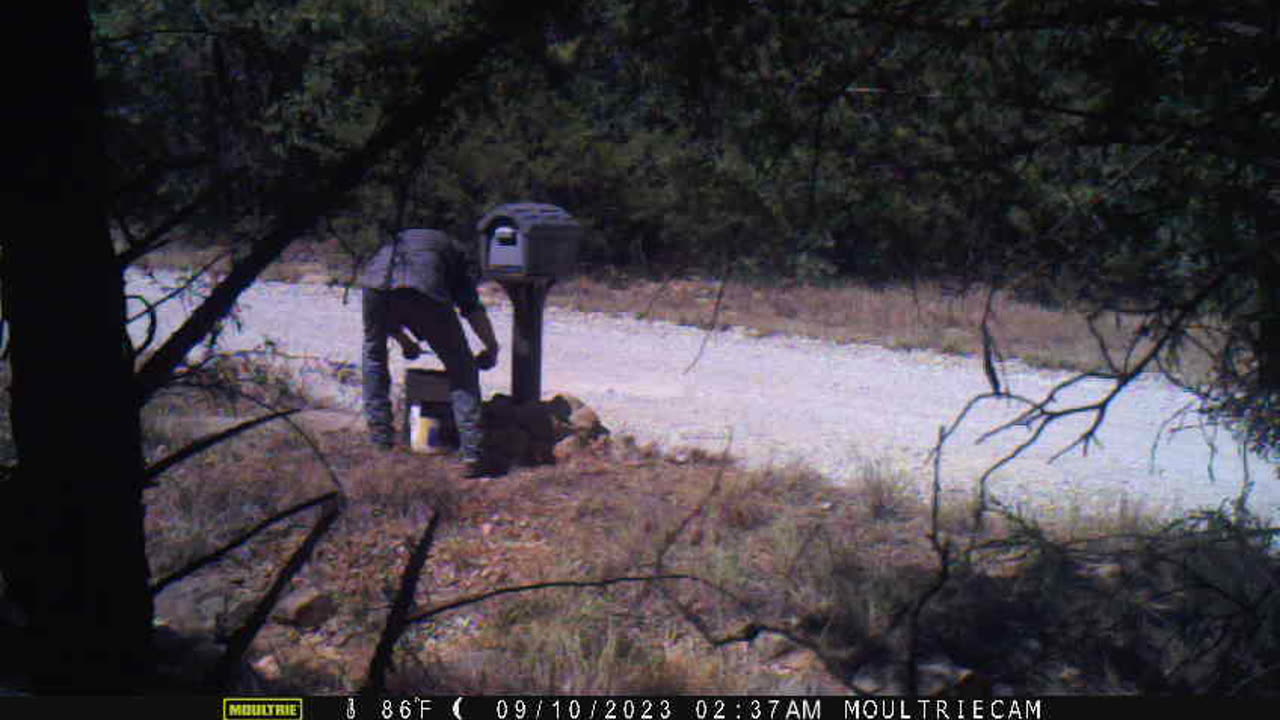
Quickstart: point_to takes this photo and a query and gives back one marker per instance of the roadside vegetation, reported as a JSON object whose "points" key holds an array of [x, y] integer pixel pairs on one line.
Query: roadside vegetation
{"points": [[924, 316], [788, 584]]}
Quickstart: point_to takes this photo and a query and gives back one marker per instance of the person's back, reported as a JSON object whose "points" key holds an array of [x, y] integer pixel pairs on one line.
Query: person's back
{"points": [[425, 260], [414, 282]]}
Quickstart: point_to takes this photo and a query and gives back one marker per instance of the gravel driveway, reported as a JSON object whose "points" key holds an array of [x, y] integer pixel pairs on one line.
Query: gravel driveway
{"points": [[778, 400]]}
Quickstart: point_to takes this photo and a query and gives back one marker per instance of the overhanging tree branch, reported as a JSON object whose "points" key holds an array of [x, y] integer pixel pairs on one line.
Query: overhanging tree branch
{"points": [[199, 445], [443, 71], [1039, 415], [155, 239], [206, 560]]}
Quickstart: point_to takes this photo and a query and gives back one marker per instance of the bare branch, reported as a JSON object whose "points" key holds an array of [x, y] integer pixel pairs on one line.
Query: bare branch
{"points": [[149, 311], [990, 354], [548, 585], [941, 549], [715, 320], [397, 619], [1103, 347], [288, 419], [753, 629], [182, 287], [653, 299], [1166, 426], [669, 541], [198, 446], [202, 562], [836, 665], [319, 454], [1246, 482], [1040, 415], [155, 239], [243, 637]]}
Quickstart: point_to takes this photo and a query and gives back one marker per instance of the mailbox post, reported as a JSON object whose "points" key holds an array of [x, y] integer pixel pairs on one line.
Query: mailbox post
{"points": [[525, 247]]}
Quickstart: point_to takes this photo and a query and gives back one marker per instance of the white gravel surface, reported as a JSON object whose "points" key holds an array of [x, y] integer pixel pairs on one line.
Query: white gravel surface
{"points": [[779, 400]]}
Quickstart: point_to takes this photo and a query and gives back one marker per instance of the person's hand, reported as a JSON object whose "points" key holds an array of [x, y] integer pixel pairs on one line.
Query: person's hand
{"points": [[487, 359]]}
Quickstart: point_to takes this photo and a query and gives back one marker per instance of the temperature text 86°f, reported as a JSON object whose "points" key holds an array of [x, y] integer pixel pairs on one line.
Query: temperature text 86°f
{"points": [[405, 709]]}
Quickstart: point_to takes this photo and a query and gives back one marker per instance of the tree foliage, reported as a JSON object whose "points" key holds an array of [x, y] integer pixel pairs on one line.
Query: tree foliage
{"points": [[1106, 155], [1112, 156]]}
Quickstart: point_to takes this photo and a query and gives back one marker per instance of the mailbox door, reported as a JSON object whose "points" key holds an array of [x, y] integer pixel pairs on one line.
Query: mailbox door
{"points": [[507, 254], [546, 243]]}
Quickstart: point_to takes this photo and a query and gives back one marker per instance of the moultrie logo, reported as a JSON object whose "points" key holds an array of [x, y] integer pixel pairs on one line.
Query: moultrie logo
{"points": [[261, 708]]}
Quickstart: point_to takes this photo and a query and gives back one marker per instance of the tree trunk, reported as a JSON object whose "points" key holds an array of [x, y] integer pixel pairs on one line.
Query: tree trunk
{"points": [[72, 547]]}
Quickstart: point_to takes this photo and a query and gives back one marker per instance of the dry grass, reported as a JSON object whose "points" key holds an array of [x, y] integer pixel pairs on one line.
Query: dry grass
{"points": [[609, 512], [832, 569], [927, 316], [308, 262]]}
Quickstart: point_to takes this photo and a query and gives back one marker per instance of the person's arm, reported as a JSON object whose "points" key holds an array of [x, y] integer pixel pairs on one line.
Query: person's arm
{"points": [[462, 286], [478, 319], [408, 346]]}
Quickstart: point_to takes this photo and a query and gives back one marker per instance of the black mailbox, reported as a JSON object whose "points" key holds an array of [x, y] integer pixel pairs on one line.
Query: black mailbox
{"points": [[525, 247], [528, 240]]}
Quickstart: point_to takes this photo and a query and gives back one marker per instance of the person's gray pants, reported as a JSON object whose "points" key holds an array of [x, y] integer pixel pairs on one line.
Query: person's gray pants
{"points": [[437, 323]]}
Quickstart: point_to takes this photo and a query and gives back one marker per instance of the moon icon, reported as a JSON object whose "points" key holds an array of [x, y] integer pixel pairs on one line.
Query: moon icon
{"points": [[457, 708]]}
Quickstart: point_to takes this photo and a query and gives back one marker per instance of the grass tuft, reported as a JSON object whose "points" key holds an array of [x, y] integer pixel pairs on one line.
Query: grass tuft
{"points": [[1070, 604]]}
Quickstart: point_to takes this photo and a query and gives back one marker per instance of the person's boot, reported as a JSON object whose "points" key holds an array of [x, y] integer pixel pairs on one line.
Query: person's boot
{"points": [[383, 439], [475, 466]]}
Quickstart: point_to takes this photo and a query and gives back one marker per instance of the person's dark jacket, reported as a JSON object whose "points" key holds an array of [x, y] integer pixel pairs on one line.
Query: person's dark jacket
{"points": [[428, 261]]}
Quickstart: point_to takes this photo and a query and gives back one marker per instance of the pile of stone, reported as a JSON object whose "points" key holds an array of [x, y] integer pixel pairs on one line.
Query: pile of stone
{"points": [[540, 433]]}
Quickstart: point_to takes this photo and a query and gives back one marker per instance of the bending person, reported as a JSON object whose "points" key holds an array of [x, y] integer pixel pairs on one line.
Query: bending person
{"points": [[414, 282]]}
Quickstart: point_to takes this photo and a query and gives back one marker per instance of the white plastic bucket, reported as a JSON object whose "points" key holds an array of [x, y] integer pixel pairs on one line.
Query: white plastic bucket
{"points": [[429, 413]]}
